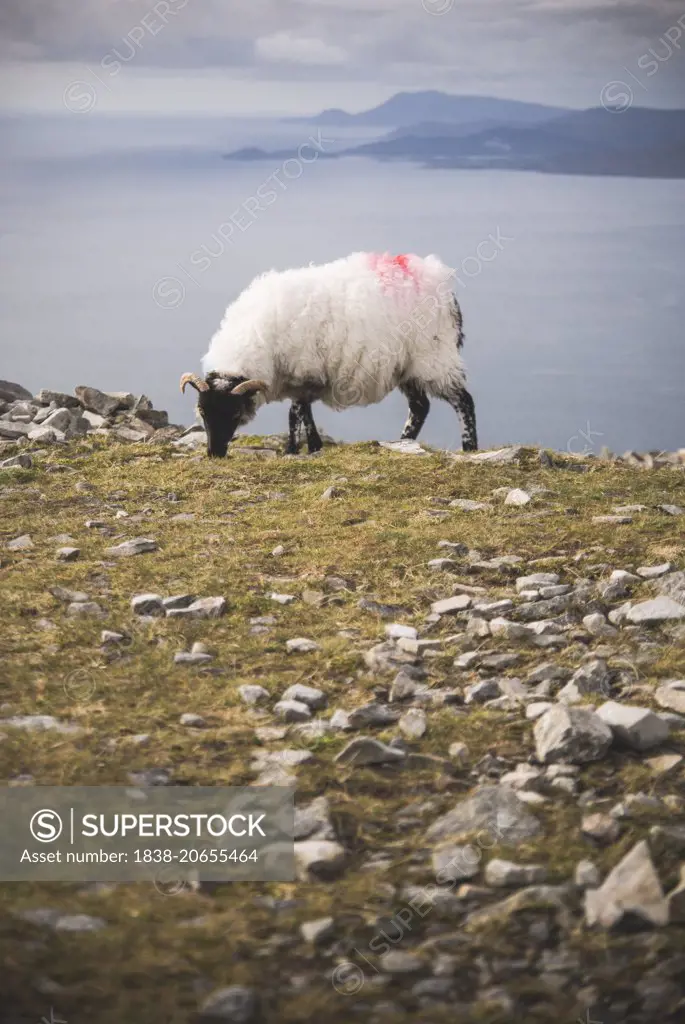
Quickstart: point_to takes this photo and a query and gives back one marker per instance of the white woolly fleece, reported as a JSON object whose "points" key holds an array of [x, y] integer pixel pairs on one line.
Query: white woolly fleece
{"points": [[346, 332]]}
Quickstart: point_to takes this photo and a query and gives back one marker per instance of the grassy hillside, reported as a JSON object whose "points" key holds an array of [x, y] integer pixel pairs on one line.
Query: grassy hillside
{"points": [[216, 526]]}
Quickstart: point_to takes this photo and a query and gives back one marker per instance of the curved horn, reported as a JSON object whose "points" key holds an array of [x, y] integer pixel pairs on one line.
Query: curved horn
{"points": [[192, 378], [249, 386]]}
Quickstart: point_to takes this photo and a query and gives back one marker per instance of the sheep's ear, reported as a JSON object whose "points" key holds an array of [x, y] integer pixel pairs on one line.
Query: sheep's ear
{"points": [[250, 387]]}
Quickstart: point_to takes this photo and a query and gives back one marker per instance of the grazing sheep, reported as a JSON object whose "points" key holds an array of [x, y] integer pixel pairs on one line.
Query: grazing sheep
{"points": [[345, 333]]}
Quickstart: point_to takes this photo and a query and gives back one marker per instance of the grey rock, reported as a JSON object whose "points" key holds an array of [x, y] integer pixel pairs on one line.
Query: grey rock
{"points": [[631, 891], [135, 546], [40, 723], [443, 564], [178, 601], [479, 693], [385, 611], [147, 604], [586, 875], [673, 585], [493, 809], [403, 687], [502, 873], [251, 693], [364, 750], [597, 625], [318, 859], [638, 728], [191, 658], [57, 398], [23, 543], [468, 505], [309, 695], [10, 392], [68, 554], [203, 608], [653, 572], [548, 671], [196, 721], [79, 923], [60, 419], [536, 580], [590, 679], [97, 401], [413, 724], [301, 645], [235, 1004], [64, 595], [451, 605], [107, 636], [317, 931], [17, 462], [395, 630], [85, 608], [602, 828], [397, 961], [571, 735], [659, 609], [282, 598], [517, 496], [13, 431], [456, 547], [671, 695], [292, 711], [372, 714], [453, 863]]}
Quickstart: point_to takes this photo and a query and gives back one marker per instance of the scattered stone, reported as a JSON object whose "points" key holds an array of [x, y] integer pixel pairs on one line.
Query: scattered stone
{"points": [[301, 645], [17, 462], [385, 611], [317, 859], [451, 605], [309, 695], [638, 728], [40, 723], [365, 750], [292, 711], [586, 875], [196, 721], [147, 604], [517, 497], [397, 961], [597, 625], [492, 809], [135, 546], [671, 695], [538, 579], [590, 679], [68, 554], [251, 693], [479, 693], [468, 505], [602, 828], [23, 543], [413, 724], [659, 609], [85, 608], [178, 601], [630, 893], [318, 931], [203, 608], [235, 1004], [653, 572], [616, 520], [191, 658], [282, 598], [79, 923], [502, 873], [571, 735], [395, 630]]}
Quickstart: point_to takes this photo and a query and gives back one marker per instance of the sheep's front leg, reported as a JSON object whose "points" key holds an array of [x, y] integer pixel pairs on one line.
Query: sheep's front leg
{"points": [[418, 410], [301, 416]]}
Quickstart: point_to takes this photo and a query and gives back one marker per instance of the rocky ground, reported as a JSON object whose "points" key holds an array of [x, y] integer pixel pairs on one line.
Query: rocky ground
{"points": [[470, 668]]}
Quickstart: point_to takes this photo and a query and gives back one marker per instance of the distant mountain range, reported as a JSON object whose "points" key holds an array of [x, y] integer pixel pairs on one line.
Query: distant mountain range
{"points": [[436, 129]]}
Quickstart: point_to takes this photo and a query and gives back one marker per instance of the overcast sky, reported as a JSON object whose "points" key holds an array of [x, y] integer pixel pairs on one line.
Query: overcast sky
{"points": [[287, 56]]}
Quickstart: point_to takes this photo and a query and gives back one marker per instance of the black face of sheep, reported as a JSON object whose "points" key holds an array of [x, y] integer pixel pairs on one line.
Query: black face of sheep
{"points": [[225, 403]]}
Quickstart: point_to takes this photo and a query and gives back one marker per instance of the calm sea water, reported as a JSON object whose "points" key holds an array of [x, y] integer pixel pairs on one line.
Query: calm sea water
{"points": [[115, 271]]}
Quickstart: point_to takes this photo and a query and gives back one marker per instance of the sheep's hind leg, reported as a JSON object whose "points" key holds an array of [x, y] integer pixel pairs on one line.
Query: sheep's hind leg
{"points": [[418, 410], [462, 402], [314, 442]]}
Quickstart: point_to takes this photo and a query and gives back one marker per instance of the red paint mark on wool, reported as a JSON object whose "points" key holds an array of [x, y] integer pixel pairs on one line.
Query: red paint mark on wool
{"points": [[392, 270]]}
